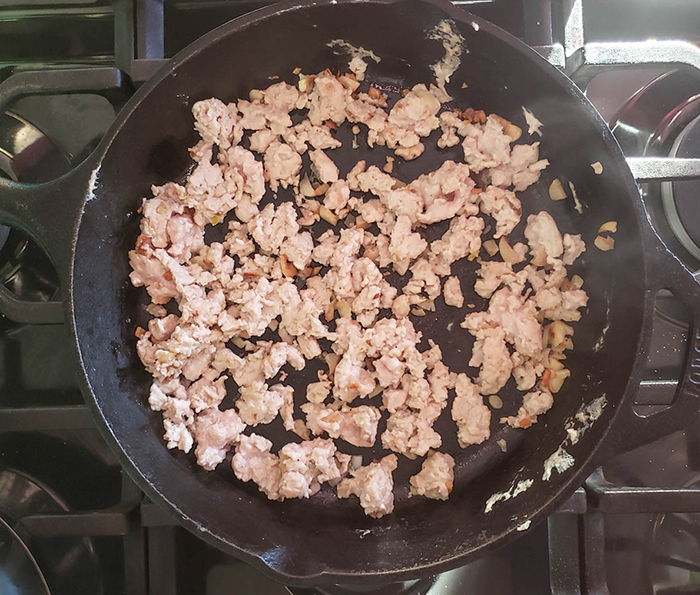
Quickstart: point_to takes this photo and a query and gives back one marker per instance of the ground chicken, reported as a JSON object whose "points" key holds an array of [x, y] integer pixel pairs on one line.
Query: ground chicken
{"points": [[217, 122], [574, 246], [356, 425], [254, 462], [491, 354], [469, 413], [373, 485], [534, 404], [410, 433], [337, 195], [461, 239], [327, 100], [453, 292], [436, 477], [522, 170], [309, 292], [216, 431], [323, 166], [282, 165], [445, 192], [304, 467], [405, 245], [272, 226], [542, 231], [503, 206], [317, 392]]}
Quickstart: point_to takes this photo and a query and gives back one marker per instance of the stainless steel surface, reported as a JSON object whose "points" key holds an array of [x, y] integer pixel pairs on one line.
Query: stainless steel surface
{"points": [[29, 563], [26, 153], [655, 122], [19, 571], [592, 58], [669, 196], [646, 169]]}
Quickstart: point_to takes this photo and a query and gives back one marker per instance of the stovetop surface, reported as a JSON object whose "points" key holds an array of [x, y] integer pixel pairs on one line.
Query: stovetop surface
{"points": [[86, 526]]}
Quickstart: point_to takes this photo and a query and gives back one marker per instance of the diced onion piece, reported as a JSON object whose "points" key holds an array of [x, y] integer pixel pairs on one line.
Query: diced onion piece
{"points": [[597, 167], [556, 190], [288, 269], [610, 226], [332, 360], [361, 223], [164, 357], [546, 377], [507, 252], [576, 282], [557, 380], [305, 83], [377, 389], [427, 305], [540, 257], [555, 365], [343, 308], [417, 311], [306, 188], [490, 246], [511, 130], [301, 429], [604, 243], [321, 190], [503, 445], [238, 342], [473, 256], [349, 83], [557, 332], [285, 336], [274, 323], [256, 95], [327, 215], [495, 401], [355, 462]]}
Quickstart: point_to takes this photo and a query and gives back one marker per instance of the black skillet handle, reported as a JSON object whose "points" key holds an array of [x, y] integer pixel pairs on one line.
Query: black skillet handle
{"points": [[665, 271], [48, 212]]}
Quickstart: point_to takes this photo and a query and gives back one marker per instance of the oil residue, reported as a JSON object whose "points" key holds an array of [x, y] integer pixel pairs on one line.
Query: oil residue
{"points": [[514, 490], [453, 43]]}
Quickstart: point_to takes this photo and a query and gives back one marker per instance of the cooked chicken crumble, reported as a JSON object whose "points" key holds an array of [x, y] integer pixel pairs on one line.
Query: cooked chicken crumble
{"points": [[334, 297]]}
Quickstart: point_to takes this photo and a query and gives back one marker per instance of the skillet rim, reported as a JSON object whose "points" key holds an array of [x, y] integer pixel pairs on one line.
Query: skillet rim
{"points": [[575, 477]]}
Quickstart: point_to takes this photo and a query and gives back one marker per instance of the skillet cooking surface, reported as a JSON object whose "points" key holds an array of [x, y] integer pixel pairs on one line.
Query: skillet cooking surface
{"points": [[301, 539]]}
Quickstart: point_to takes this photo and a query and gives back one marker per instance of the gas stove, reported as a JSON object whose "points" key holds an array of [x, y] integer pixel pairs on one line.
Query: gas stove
{"points": [[72, 522]]}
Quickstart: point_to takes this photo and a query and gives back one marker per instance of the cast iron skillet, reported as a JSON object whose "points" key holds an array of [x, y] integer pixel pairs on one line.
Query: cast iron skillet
{"points": [[87, 222]]}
